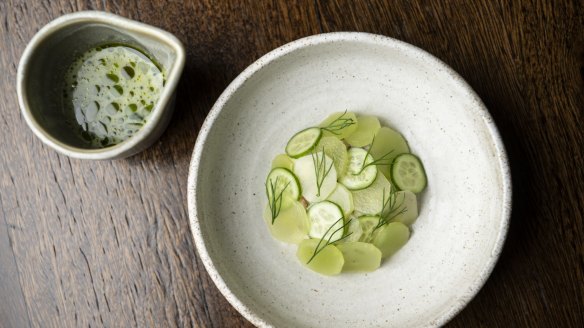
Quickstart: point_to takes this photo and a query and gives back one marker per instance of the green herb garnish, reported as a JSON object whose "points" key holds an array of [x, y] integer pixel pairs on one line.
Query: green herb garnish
{"points": [[275, 198], [338, 124], [318, 248], [389, 208], [320, 169], [383, 160]]}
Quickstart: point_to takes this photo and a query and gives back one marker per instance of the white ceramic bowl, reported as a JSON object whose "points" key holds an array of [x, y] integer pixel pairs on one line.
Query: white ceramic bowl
{"points": [[464, 212]]}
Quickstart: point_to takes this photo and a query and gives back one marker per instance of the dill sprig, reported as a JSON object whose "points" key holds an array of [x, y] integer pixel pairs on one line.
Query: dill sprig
{"points": [[328, 241], [383, 160], [338, 124], [275, 197], [321, 170], [389, 209]]}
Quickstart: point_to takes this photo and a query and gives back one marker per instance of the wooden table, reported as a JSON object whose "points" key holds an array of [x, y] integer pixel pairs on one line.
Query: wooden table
{"points": [[87, 243]]}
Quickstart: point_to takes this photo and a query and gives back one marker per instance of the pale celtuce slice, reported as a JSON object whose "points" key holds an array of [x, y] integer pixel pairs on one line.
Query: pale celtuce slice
{"points": [[367, 224], [291, 225], [336, 150], [387, 145], [369, 201], [284, 161], [339, 125], [407, 209], [354, 231], [305, 170], [367, 128], [390, 238], [360, 257], [329, 261], [344, 198]]}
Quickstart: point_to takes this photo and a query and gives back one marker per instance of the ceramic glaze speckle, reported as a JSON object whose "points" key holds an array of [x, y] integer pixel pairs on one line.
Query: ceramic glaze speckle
{"points": [[464, 211]]}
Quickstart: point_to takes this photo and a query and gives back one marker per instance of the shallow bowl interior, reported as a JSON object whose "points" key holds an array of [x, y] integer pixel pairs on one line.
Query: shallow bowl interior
{"points": [[463, 212], [60, 43]]}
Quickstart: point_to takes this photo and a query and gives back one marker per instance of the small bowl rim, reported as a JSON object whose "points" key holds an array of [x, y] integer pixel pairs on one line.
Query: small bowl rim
{"points": [[124, 148], [314, 40]]}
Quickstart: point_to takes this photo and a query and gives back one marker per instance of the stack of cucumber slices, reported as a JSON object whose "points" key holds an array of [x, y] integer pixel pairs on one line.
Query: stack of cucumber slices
{"points": [[345, 192]]}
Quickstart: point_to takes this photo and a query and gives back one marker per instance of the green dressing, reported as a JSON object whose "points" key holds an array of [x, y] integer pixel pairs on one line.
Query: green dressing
{"points": [[109, 94]]}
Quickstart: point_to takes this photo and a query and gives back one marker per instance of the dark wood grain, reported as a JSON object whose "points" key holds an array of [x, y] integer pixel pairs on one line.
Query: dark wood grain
{"points": [[12, 308], [108, 243]]}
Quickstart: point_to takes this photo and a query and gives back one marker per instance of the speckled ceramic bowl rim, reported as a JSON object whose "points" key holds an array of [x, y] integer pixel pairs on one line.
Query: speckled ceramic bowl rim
{"points": [[124, 24], [408, 49]]}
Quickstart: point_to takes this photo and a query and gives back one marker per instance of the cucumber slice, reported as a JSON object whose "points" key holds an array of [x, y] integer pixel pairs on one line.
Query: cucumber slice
{"points": [[281, 182], [283, 161], [303, 142], [367, 223], [387, 145], [339, 125], [360, 257], [344, 198], [291, 225], [354, 231], [366, 130], [326, 221], [329, 261], [409, 203], [354, 178], [369, 201], [407, 173], [336, 150], [305, 170], [390, 238]]}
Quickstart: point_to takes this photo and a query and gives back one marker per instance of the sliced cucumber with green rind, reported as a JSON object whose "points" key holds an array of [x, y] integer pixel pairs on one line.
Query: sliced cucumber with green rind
{"points": [[282, 181], [283, 161], [407, 173], [391, 237], [303, 142], [359, 175], [366, 130], [344, 198], [329, 261], [360, 257], [326, 221]]}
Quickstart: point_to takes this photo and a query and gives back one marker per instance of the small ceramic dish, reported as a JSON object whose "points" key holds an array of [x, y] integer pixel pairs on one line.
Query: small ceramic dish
{"points": [[464, 211], [56, 46]]}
